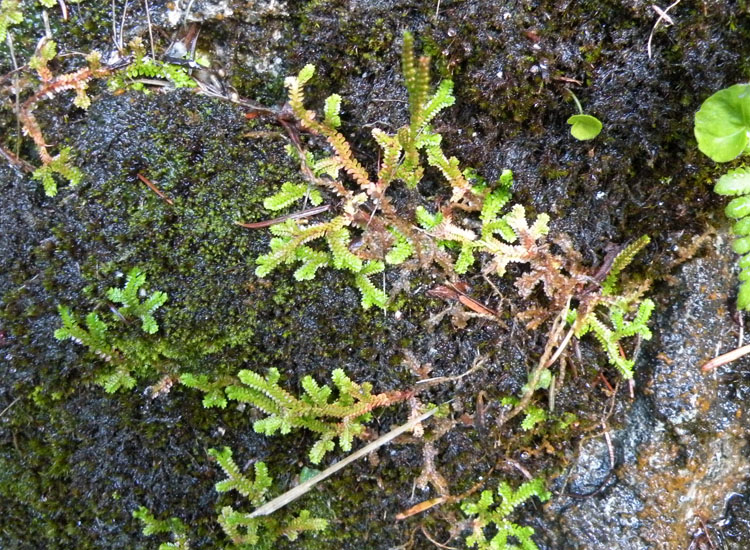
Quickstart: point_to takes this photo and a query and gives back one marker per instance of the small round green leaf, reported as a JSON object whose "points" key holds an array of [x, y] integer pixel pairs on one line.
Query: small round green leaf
{"points": [[742, 227], [741, 245], [743, 298], [738, 208], [734, 182], [584, 127], [722, 125]]}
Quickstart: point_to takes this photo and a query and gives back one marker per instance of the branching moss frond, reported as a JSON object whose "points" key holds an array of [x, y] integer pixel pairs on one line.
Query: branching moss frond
{"points": [[338, 241], [401, 251], [450, 170], [10, 14], [291, 193], [316, 410], [153, 526], [62, 165], [241, 529], [213, 389], [441, 99], [254, 490], [332, 110], [119, 378], [131, 303], [484, 517], [303, 522], [371, 294], [623, 260]]}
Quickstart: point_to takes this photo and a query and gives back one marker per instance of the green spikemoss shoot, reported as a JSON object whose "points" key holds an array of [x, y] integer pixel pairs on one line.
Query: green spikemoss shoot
{"points": [[487, 519], [616, 316], [332, 415], [533, 415], [371, 295], [332, 110], [291, 193], [402, 161], [213, 390], [62, 166], [10, 14], [253, 490], [623, 260], [609, 337], [131, 303], [144, 66], [128, 357], [153, 526], [243, 531], [401, 251], [426, 220]]}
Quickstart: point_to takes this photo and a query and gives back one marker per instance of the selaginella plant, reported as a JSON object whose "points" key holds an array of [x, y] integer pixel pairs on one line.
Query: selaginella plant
{"points": [[132, 306], [129, 357], [722, 128], [144, 66], [383, 235], [173, 526], [51, 86], [243, 531], [317, 410], [367, 231], [607, 313], [490, 518], [126, 73], [10, 14]]}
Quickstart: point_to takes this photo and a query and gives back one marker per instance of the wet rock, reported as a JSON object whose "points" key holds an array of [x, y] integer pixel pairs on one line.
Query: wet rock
{"points": [[682, 450]]}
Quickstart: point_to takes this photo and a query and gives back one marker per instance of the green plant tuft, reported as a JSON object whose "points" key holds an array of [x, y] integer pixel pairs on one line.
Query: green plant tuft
{"points": [[10, 14], [626, 316], [62, 165], [153, 526], [403, 154], [291, 193], [244, 532], [486, 518], [131, 303], [128, 356], [317, 410], [254, 490]]}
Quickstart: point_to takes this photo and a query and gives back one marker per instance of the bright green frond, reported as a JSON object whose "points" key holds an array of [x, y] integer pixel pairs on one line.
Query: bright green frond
{"points": [[332, 109]]}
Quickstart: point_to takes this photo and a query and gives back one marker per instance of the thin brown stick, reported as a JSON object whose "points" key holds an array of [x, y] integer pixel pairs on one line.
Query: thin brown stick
{"points": [[294, 216], [15, 161], [153, 188], [436, 543], [293, 494], [726, 358], [6, 409], [561, 347], [150, 33]]}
